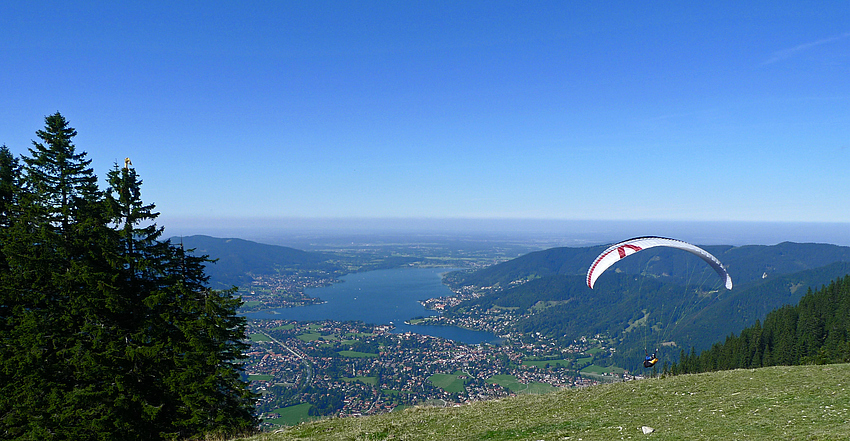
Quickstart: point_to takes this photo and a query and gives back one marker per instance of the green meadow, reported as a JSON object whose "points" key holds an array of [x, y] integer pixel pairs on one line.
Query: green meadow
{"points": [[776, 403], [452, 383]]}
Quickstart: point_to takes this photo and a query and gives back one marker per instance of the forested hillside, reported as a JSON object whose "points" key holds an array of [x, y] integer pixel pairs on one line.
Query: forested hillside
{"points": [[237, 260], [817, 330], [747, 264], [658, 298]]}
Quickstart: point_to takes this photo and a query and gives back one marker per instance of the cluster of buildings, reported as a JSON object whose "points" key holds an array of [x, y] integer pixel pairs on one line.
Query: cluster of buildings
{"points": [[282, 291], [350, 369]]}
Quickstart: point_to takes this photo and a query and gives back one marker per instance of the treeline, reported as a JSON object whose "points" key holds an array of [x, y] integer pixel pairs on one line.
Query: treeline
{"points": [[815, 331], [106, 331]]}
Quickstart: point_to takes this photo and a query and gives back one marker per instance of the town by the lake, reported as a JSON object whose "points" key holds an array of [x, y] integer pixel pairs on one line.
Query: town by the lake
{"points": [[306, 370]]}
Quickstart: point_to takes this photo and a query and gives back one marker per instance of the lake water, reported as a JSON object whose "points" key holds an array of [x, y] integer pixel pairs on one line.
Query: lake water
{"points": [[381, 297]]}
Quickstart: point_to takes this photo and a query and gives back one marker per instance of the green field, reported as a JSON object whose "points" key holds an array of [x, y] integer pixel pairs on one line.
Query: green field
{"points": [[260, 377], [365, 380], [507, 381], [537, 388], [777, 403], [510, 382], [355, 354], [259, 337], [312, 336], [452, 383], [582, 361], [292, 415]]}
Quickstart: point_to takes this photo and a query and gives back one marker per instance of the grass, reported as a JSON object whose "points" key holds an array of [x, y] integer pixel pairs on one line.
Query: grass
{"points": [[537, 388], [583, 360], [365, 380], [777, 403], [511, 383], [392, 392], [507, 381], [355, 354], [292, 415], [452, 383], [311, 336], [260, 377], [259, 337]]}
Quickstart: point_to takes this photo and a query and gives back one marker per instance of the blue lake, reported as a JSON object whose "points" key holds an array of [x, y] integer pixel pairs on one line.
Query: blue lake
{"points": [[381, 297]]}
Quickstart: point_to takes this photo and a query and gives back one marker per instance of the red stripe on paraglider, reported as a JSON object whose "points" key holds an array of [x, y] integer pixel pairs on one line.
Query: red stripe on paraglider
{"points": [[593, 267], [620, 250]]}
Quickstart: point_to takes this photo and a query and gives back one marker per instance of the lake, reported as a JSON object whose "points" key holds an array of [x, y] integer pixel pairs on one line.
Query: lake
{"points": [[381, 297]]}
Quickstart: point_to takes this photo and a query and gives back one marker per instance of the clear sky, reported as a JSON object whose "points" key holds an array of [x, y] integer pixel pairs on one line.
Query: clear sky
{"points": [[674, 111]]}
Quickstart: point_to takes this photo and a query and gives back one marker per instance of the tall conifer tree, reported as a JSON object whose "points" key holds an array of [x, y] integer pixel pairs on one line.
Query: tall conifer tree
{"points": [[52, 287], [108, 331]]}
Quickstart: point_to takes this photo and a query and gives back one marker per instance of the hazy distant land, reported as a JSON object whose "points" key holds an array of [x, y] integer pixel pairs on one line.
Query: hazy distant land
{"points": [[304, 233]]}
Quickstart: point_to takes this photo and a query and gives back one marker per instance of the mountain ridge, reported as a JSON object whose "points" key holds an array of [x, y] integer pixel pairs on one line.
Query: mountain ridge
{"points": [[679, 299]]}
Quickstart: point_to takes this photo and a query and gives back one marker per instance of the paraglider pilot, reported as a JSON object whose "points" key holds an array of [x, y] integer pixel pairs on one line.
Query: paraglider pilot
{"points": [[650, 360]]}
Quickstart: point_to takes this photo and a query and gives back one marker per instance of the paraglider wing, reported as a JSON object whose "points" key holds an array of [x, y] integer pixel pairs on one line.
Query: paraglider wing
{"points": [[628, 247]]}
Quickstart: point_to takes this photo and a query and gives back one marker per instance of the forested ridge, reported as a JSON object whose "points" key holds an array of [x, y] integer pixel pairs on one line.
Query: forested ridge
{"points": [[238, 260], [815, 331], [106, 331], [657, 299]]}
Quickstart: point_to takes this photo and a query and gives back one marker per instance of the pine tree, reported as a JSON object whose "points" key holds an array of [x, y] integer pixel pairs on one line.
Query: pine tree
{"points": [[213, 396], [9, 190], [53, 289], [138, 262], [10, 173], [108, 331], [184, 339]]}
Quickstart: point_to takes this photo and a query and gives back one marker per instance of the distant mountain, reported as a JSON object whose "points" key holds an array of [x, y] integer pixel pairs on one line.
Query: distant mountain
{"points": [[238, 259], [746, 264], [655, 296]]}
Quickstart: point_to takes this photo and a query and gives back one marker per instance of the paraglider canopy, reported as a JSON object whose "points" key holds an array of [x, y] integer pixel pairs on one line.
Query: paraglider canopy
{"points": [[628, 247]]}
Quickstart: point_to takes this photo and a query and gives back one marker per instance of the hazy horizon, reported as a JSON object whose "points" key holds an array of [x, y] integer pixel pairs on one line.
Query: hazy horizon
{"points": [[546, 231]]}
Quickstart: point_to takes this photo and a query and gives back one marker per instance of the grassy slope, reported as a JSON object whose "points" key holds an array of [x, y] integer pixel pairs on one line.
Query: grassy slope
{"points": [[778, 403]]}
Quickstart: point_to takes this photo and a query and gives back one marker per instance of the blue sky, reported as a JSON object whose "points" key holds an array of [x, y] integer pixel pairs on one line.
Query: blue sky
{"points": [[718, 111]]}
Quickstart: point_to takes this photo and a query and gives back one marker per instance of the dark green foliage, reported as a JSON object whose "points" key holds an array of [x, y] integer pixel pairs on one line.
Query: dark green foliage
{"points": [[748, 265], [655, 297], [816, 331], [9, 184], [107, 332], [741, 308]]}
